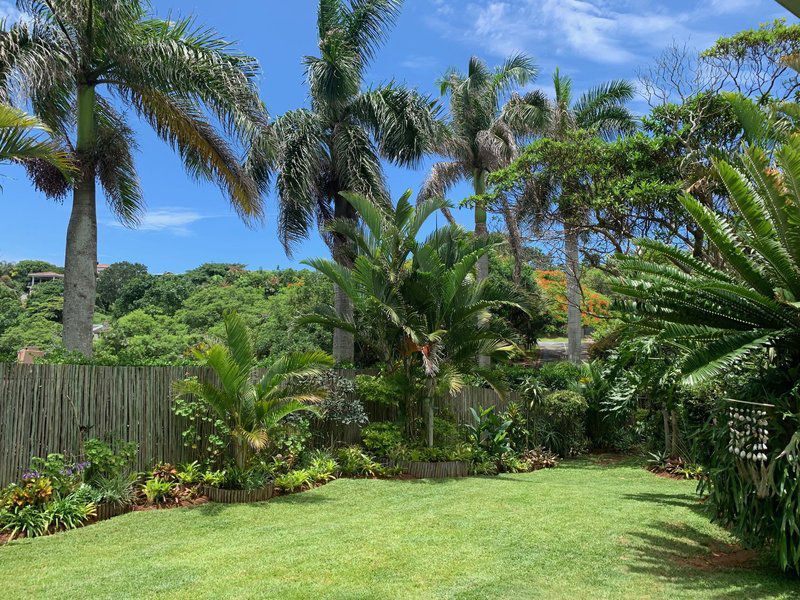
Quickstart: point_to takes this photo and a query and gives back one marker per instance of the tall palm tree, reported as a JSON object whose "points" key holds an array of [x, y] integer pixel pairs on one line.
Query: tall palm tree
{"points": [[601, 110], [487, 120], [179, 77], [424, 310], [337, 144], [252, 408], [22, 140]]}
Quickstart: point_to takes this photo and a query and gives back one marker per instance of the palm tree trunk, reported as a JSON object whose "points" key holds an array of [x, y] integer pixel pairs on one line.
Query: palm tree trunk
{"points": [[482, 269], [80, 261], [573, 292], [343, 341]]}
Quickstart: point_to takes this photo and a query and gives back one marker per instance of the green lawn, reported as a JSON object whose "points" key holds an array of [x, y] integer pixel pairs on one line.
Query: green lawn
{"points": [[580, 531]]}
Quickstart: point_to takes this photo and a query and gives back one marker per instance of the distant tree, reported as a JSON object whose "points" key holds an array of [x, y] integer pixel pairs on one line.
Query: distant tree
{"points": [[111, 281], [141, 338], [155, 293], [21, 269], [47, 300], [30, 330], [208, 272]]}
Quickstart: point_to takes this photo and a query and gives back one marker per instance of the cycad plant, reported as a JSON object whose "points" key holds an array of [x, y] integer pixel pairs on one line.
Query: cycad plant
{"points": [[22, 139], [420, 304], [337, 143], [252, 407], [750, 308], [195, 90]]}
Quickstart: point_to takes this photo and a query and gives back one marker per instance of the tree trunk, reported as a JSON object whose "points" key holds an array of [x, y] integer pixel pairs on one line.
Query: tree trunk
{"points": [[514, 241], [482, 268], [573, 292], [665, 415], [80, 261], [430, 422], [674, 433], [343, 341]]}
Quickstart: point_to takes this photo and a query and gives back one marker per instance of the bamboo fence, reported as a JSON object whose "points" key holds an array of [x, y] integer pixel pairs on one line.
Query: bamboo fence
{"points": [[54, 408]]}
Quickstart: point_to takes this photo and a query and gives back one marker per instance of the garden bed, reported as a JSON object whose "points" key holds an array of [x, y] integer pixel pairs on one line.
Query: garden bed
{"points": [[215, 494], [107, 510]]}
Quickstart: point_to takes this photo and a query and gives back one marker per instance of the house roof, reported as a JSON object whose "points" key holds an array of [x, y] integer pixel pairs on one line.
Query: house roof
{"points": [[46, 274]]}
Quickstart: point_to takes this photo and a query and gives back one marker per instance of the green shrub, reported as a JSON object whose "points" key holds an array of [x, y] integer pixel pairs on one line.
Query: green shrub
{"points": [[382, 439], [30, 520], [559, 375], [190, 473], [322, 466], [108, 459], [560, 423], [69, 512], [157, 490], [112, 490], [377, 389], [294, 481], [353, 462]]}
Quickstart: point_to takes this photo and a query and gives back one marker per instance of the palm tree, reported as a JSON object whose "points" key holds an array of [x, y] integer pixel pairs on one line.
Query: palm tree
{"points": [[250, 409], [482, 135], [421, 305], [600, 110], [483, 131], [21, 141], [337, 144], [177, 76]]}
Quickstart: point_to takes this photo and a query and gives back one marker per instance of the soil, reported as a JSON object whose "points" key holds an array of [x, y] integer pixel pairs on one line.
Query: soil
{"points": [[721, 558]]}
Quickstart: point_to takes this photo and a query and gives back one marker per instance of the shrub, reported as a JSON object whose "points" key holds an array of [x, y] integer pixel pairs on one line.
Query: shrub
{"points": [[253, 478], [353, 462], [559, 375], [157, 490], [295, 480], [190, 473], [560, 423], [488, 431], [322, 466], [30, 520], [69, 512], [340, 404], [108, 459], [377, 389], [112, 490], [382, 439]]}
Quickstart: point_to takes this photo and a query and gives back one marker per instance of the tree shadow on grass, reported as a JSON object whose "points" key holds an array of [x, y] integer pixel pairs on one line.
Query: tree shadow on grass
{"points": [[681, 500], [697, 561]]}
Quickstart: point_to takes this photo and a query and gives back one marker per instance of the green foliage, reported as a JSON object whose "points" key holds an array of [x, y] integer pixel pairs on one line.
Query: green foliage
{"points": [[295, 480], [113, 279], [322, 466], [382, 439], [190, 473], [157, 490], [253, 411], [69, 512], [560, 423], [112, 489], [47, 300], [378, 390], [108, 459], [488, 431], [30, 520], [140, 337], [558, 375], [354, 462]]}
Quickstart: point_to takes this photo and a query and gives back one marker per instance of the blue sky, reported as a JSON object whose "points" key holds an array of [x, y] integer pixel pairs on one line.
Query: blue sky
{"points": [[188, 223]]}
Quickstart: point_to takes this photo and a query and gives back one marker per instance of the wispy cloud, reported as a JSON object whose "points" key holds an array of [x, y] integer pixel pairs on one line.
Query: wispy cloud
{"points": [[176, 221], [419, 62], [603, 31]]}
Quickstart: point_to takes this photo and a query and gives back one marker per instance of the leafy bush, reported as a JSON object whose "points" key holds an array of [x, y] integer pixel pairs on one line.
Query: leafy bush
{"points": [[190, 473], [377, 389], [158, 490], [69, 512], [108, 460], [253, 478], [64, 475], [295, 480], [322, 466], [382, 439], [353, 462], [340, 404], [30, 520], [488, 431], [118, 489], [558, 375], [214, 478], [560, 423]]}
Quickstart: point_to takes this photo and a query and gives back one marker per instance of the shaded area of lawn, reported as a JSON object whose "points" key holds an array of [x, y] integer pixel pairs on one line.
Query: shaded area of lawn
{"points": [[589, 529]]}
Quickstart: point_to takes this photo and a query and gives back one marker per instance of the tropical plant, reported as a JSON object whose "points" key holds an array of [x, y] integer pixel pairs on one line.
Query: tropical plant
{"points": [[420, 305], [352, 461], [563, 190], [489, 431], [295, 480], [337, 144], [174, 74], [22, 138], [253, 410], [487, 121], [157, 490]]}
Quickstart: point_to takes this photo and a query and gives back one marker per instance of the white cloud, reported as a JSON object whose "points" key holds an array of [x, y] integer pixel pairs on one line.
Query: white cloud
{"points": [[415, 61], [176, 221], [603, 31]]}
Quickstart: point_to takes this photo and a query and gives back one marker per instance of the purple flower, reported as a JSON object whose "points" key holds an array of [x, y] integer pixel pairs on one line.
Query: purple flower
{"points": [[30, 475]]}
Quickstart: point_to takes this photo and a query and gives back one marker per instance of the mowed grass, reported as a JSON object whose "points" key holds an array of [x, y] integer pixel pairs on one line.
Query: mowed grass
{"points": [[584, 530]]}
